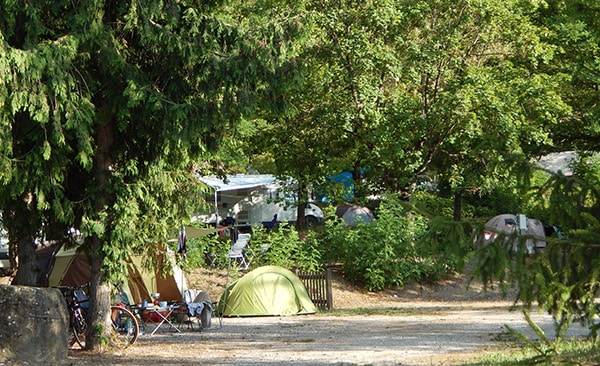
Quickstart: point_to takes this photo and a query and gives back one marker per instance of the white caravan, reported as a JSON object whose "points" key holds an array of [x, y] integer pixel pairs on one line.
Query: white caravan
{"points": [[255, 199]]}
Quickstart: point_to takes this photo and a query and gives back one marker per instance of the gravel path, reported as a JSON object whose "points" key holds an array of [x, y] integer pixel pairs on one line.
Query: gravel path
{"points": [[415, 333]]}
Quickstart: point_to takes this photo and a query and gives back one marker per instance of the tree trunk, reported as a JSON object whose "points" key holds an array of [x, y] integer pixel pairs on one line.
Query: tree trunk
{"points": [[457, 205], [22, 224], [99, 314], [27, 269], [300, 219], [99, 311]]}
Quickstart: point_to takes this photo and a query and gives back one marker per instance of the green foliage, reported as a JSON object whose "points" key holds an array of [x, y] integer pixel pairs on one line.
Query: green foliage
{"points": [[574, 352], [394, 249], [500, 200], [106, 108], [81, 86], [283, 247], [436, 205], [446, 242], [393, 89], [433, 203], [279, 247], [563, 279], [202, 250], [575, 30]]}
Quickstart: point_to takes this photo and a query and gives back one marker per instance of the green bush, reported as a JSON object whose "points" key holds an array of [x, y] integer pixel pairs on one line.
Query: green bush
{"points": [[283, 247], [435, 205], [401, 245], [201, 250], [500, 200], [387, 252]]}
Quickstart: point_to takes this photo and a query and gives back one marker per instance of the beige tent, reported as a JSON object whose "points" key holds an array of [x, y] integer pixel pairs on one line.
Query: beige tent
{"points": [[507, 224], [68, 268], [71, 269], [143, 282]]}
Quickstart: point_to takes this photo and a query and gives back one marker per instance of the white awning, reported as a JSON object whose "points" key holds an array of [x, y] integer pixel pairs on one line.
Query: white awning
{"points": [[240, 181], [560, 161]]}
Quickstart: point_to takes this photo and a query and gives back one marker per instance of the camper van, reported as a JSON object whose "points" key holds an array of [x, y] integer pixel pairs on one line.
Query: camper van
{"points": [[255, 200]]}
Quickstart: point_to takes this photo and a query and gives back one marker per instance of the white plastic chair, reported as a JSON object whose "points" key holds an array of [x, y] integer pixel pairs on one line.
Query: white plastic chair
{"points": [[237, 252]]}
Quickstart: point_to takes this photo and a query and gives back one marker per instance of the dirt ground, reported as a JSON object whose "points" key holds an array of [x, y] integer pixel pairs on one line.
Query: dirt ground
{"points": [[442, 324]]}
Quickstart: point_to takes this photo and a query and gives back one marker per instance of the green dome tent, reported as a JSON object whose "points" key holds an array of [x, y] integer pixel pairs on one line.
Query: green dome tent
{"points": [[268, 290]]}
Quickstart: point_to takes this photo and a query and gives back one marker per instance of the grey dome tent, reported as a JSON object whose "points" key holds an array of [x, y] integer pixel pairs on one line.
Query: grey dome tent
{"points": [[354, 214], [507, 224], [266, 291]]}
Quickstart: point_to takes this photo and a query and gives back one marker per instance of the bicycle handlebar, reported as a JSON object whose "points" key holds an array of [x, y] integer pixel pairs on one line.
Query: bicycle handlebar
{"points": [[76, 287], [69, 293]]}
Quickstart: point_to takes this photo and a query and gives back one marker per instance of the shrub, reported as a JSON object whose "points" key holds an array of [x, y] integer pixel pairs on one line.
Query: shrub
{"points": [[385, 253], [436, 205], [401, 245], [283, 247], [202, 250], [500, 200]]}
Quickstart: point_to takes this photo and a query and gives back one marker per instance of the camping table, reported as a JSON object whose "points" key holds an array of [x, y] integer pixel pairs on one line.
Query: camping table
{"points": [[160, 314]]}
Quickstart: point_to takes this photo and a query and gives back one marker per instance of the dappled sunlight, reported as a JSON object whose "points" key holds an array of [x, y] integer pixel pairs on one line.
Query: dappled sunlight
{"points": [[409, 338]]}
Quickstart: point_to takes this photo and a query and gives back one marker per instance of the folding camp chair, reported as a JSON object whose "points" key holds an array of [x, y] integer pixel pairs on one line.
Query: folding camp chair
{"points": [[237, 253], [195, 310]]}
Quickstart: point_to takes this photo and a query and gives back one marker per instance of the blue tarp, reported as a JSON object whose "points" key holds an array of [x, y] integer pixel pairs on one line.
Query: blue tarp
{"points": [[344, 178]]}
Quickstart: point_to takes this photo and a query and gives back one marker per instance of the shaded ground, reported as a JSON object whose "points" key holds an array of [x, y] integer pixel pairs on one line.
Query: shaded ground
{"points": [[442, 324], [435, 334]]}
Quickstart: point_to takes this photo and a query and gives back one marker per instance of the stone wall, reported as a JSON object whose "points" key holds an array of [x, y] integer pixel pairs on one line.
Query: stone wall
{"points": [[33, 325]]}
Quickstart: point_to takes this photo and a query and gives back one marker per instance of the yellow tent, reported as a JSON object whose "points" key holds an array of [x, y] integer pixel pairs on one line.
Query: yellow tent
{"points": [[69, 268]]}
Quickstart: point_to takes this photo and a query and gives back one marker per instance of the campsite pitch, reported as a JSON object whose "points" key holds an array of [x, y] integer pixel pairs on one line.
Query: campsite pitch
{"points": [[433, 334], [443, 324]]}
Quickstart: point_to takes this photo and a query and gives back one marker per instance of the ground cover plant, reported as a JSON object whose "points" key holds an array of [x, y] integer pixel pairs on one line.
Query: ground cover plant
{"points": [[575, 352]]}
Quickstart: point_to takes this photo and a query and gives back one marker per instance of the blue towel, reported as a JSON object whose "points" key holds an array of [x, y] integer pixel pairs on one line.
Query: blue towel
{"points": [[195, 308]]}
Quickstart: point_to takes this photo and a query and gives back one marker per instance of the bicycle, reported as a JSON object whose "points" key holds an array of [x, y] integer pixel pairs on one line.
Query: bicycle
{"points": [[76, 300], [125, 326], [122, 299], [124, 323]]}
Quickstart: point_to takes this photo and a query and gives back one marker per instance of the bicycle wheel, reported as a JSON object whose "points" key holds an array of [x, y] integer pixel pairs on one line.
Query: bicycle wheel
{"points": [[125, 325], [79, 328]]}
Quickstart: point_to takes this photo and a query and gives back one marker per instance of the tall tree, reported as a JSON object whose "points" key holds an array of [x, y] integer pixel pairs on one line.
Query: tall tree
{"points": [[574, 30], [276, 33], [564, 278], [104, 108], [391, 90]]}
